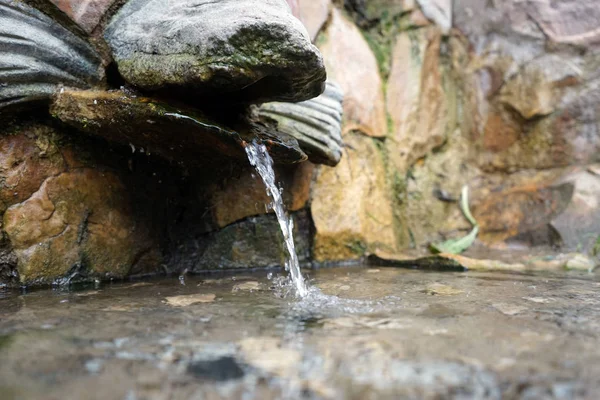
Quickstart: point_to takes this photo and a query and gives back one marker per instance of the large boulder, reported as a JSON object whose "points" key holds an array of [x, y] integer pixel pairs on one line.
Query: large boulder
{"points": [[66, 217], [247, 50], [351, 204]]}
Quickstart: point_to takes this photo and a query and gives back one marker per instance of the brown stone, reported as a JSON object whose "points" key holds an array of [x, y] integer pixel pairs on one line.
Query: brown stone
{"points": [[351, 63], [87, 14], [26, 160], [527, 100], [351, 205], [416, 101], [500, 132], [314, 14], [427, 216], [78, 222], [245, 196], [522, 213], [530, 92], [143, 122]]}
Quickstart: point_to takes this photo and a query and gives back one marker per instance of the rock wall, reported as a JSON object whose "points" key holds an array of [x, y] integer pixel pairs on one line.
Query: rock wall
{"points": [[500, 96]]}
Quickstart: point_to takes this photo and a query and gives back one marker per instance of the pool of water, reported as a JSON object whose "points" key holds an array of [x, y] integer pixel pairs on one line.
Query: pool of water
{"points": [[367, 333]]}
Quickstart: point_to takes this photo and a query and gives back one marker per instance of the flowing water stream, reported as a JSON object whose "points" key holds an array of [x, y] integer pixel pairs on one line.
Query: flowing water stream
{"points": [[263, 163]]}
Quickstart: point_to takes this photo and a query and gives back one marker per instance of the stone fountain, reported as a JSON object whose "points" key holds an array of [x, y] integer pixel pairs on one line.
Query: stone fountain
{"points": [[120, 118]]}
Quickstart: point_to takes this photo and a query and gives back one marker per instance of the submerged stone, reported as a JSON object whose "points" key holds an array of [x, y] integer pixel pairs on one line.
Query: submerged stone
{"points": [[316, 124], [246, 50], [177, 134]]}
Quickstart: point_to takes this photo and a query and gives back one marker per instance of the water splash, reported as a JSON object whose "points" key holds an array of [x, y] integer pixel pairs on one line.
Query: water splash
{"points": [[263, 163]]}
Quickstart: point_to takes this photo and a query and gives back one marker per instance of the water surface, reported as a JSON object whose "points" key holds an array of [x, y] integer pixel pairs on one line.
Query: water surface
{"points": [[370, 333]]}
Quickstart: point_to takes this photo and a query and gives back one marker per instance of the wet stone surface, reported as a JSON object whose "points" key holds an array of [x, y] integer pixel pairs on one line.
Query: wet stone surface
{"points": [[365, 333]]}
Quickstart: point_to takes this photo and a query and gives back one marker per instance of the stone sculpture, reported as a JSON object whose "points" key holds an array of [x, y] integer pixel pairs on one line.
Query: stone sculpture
{"points": [[82, 83]]}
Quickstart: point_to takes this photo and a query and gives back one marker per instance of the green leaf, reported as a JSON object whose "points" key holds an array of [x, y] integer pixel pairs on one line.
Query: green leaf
{"points": [[464, 205], [457, 246]]}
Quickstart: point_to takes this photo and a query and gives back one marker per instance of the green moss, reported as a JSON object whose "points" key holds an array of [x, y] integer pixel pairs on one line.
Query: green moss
{"points": [[357, 247], [596, 247], [381, 37], [321, 39]]}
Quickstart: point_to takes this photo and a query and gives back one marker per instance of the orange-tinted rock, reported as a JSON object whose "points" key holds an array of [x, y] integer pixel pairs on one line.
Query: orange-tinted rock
{"points": [[245, 196], [26, 160], [500, 132], [87, 14], [351, 204], [416, 101], [527, 102], [351, 63], [77, 223], [313, 14], [522, 212]]}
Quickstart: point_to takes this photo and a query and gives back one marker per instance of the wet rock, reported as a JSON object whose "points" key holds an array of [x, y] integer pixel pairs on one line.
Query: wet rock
{"points": [[581, 262], [255, 242], [269, 354], [38, 55], [87, 14], [142, 122], [351, 205], [353, 66], [316, 124], [442, 290], [78, 224], [244, 196], [247, 286], [314, 14], [221, 370], [509, 309], [28, 156], [366, 322], [444, 262], [245, 50], [189, 299]]}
